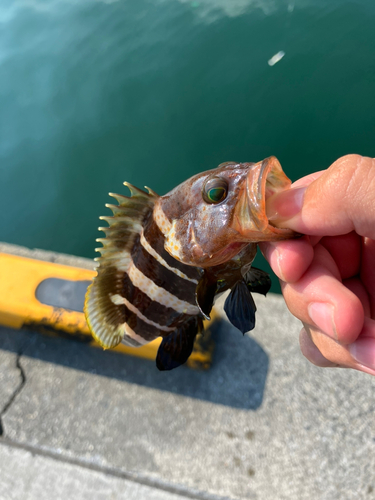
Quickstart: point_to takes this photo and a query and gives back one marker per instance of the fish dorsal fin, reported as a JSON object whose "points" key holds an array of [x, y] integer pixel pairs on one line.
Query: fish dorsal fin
{"points": [[258, 281], [240, 307], [175, 348], [205, 294], [125, 223], [105, 318]]}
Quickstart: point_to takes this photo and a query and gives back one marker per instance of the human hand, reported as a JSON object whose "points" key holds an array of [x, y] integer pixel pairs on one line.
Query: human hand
{"points": [[328, 277]]}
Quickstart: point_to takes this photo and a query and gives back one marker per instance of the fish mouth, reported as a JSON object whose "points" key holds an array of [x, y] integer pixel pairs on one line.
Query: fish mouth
{"points": [[250, 218]]}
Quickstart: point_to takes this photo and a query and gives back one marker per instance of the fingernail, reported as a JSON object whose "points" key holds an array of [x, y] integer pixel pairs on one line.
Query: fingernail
{"points": [[363, 351], [322, 315], [274, 259], [285, 205]]}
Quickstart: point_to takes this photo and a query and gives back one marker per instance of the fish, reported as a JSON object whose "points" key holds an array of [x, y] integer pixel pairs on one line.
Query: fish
{"points": [[165, 259]]}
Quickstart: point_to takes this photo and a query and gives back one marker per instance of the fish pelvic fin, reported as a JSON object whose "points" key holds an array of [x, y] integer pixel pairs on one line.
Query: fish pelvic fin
{"points": [[240, 307], [258, 281], [176, 348], [205, 294], [104, 317]]}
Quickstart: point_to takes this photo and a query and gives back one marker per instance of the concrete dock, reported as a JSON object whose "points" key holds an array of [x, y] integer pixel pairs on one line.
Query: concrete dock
{"points": [[263, 423]]}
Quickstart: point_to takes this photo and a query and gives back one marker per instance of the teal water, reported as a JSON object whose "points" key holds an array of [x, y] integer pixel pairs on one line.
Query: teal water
{"points": [[93, 93]]}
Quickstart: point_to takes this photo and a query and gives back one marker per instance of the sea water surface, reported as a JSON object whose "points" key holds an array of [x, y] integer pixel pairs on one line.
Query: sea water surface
{"points": [[96, 92]]}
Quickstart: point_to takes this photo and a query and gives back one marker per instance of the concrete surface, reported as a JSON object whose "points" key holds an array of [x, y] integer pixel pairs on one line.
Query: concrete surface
{"points": [[263, 423], [45, 478], [10, 380], [36, 253]]}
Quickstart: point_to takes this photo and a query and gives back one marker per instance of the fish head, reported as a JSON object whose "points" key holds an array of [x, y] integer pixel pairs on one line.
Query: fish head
{"points": [[212, 216]]}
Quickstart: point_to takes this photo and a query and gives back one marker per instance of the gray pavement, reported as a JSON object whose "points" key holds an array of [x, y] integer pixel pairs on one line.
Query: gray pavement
{"points": [[262, 423], [27, 476]]}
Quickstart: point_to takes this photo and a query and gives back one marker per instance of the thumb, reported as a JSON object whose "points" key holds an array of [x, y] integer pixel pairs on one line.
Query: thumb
{"points": [[337, 201]]}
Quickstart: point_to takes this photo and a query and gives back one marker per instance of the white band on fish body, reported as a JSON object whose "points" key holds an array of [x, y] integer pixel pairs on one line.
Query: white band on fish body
{"points": [[159, 294], [117, 299]]}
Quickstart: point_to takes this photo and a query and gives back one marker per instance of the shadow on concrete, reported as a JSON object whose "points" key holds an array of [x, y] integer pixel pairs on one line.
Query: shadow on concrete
{"points": [[237, 376]]}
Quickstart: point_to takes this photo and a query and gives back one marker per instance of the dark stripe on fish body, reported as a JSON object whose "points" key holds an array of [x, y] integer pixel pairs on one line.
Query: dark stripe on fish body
{"points": [[155, 238], [140, 327], [161, 276], [153, 310]]}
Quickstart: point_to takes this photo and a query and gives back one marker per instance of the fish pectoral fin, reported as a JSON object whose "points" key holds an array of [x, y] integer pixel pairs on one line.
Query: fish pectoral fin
{"points": [[205, 294], [258, 281], [176, 347], [240, 307]]}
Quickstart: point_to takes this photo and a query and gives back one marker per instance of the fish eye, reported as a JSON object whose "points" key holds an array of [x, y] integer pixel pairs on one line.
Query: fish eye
{"points": [[215, 190]]}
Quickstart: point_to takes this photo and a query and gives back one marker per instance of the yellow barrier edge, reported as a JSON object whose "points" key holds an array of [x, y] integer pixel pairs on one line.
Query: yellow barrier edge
{"points": [[19, 308]]}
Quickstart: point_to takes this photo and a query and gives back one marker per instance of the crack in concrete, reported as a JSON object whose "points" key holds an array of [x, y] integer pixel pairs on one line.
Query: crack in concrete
{"points": [[15, 393]]}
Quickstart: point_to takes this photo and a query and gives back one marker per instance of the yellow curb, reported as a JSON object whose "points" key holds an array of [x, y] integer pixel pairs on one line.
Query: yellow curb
{"points": [[20, 308]]}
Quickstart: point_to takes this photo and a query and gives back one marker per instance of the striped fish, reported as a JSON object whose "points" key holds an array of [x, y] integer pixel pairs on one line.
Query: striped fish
{"points": [[164, 259]]}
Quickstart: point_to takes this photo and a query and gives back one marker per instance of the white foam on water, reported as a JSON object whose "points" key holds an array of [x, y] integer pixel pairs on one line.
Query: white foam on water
{"points": [[276, 58]]}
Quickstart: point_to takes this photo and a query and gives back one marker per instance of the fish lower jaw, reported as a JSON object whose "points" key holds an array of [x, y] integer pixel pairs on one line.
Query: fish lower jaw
{"points": [[274, 233], [222, 256]]}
